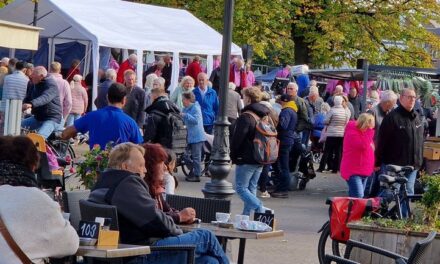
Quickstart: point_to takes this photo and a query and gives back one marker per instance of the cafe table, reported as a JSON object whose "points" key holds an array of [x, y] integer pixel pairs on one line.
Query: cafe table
{"points": [[232, 233], [109, 252]]}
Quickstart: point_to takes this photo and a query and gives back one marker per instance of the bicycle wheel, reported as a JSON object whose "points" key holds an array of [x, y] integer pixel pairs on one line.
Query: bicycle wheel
{"points": [[336, 248], [62, 148]]}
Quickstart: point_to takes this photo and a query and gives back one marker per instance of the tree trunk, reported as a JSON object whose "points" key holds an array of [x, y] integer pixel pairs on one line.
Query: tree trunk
{"points": [[302, 51]]}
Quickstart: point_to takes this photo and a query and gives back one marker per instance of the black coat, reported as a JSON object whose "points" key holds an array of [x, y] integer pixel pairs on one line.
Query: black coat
{"points": [[45, 100], [400, 139], [242, 147], [161, 127]]}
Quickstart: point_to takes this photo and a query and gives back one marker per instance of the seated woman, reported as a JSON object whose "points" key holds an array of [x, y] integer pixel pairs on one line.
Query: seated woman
{"points": [[170, 181], [32, 219], [155, 157]]}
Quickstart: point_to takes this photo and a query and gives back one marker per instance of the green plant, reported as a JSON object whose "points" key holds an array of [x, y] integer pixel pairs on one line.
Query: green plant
{"points": [[431, 199], [95, 161]]}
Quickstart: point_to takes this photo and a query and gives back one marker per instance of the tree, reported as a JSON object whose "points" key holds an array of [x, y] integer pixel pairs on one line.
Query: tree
{"points": [[328, 32]]}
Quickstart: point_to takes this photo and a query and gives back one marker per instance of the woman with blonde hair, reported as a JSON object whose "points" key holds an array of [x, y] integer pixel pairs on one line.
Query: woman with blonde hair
{"points": [[358, 154], [185, 85]]}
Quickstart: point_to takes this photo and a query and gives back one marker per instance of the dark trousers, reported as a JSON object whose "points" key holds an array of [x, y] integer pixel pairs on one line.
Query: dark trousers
{"points": [[332, 153], [231, 128], [283, 168], [209, 129]]}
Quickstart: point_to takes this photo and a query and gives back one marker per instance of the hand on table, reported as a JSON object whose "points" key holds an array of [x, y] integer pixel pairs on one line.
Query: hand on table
{"points": [[187, 215]]}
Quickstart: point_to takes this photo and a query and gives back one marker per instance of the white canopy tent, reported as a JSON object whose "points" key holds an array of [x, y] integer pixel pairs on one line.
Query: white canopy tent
{"points": [[120, 24]]}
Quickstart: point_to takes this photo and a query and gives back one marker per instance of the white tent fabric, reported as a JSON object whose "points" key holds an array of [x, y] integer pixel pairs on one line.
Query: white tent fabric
{"points": [[120, 24]]}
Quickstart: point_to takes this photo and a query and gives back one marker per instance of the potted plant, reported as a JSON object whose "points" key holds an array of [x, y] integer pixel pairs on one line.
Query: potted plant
{"points": [[400, 236], [94, 161]]}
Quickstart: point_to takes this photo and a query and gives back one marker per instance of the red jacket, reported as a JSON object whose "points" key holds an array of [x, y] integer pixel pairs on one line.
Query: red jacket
{"points": [[357, 152], [243, 76], [124, 66], [193, 70]]}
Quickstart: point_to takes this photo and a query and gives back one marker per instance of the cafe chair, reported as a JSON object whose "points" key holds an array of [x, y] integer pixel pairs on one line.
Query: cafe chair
{"points": [[71, 204], [205, 207], [415, 257], [90, 210]]}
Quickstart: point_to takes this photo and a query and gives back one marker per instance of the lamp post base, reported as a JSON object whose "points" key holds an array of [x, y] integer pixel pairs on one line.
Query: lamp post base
{"points": [[218, 190]]}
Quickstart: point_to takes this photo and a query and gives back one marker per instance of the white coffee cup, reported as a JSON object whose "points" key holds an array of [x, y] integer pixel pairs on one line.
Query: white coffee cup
{"points": [[222, 217], [239, 218]]}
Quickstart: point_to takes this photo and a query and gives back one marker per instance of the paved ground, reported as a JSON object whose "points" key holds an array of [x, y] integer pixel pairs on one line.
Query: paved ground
{"points": [[300, 216]]}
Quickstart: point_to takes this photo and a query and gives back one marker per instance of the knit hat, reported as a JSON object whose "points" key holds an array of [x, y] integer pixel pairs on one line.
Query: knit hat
{"points": [[338, 100]]}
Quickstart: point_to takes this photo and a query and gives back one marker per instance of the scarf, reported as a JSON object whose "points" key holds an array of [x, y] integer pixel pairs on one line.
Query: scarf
{"points": [[16, 175]]}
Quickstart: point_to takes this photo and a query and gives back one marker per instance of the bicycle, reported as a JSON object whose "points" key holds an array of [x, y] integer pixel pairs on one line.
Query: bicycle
{"points": [[394, 196]]}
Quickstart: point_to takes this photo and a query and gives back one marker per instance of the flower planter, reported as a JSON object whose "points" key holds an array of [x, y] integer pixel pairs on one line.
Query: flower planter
{"points": [[394, 240]]}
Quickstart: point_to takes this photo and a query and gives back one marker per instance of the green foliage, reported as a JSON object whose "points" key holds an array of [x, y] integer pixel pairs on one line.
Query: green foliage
{"points": [[431, 199], [324, 32], [94, 162]]}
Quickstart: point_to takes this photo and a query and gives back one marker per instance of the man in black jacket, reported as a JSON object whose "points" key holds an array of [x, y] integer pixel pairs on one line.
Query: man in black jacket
{"points": [[400, 139], [140, 220], [135, 105], [44, 99]]}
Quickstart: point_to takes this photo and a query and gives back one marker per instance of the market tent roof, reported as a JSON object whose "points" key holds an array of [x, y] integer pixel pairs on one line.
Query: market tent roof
{"points": [[120, 24], [18, 36]]}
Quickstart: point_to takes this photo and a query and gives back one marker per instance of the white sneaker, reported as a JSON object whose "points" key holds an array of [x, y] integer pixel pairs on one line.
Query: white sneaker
{"points": [[264, 195]]}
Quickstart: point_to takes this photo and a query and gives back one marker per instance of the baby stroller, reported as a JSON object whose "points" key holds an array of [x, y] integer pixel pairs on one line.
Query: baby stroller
{"points": [[303, 170]]}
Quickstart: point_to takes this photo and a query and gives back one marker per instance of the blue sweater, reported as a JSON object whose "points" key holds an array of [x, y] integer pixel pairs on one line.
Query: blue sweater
{"points": [[194, 123], [286, 126], [208, 105]]}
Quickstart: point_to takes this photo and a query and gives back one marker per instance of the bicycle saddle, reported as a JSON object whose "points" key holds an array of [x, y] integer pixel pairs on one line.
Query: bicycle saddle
{"points": [[396, 168], [391, 179]]}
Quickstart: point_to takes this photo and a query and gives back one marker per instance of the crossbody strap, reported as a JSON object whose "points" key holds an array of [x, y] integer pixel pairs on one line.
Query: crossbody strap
{"points": [[12, 244]]}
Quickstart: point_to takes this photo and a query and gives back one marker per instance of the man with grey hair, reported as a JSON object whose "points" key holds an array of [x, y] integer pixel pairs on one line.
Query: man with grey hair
{"points": [[44, 99], [141, 222], [4, 62], [101, 100], [14, 91], [401, 136], [339, 90], [314, 100], [128, 64], [388, 100], [135, 106], [63, 88], [303, 115]]}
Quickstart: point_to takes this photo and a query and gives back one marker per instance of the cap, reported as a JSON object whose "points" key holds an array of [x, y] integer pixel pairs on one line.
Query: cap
{"points": [[286, 98]]}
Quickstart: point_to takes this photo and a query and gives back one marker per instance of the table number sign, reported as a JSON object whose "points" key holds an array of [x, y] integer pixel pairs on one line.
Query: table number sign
{"points": [[88, 229], [267, 218]]}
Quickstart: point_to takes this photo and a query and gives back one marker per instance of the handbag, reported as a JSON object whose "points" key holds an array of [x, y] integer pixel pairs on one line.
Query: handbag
{"points": [[323, 136], [12, 244]]}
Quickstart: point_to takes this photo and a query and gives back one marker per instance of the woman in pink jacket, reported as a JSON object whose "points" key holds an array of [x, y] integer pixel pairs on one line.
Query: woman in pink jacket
{"points": [[79, 100], [358, 154]]}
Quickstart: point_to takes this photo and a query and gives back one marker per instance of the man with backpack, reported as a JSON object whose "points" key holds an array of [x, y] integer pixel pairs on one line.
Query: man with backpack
{"points": [[164, 124], [286, 134], [254, 124]]}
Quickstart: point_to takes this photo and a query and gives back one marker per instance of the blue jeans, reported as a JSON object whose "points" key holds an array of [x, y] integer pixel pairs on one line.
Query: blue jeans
{"points": [[195, 159], [356, 186], [283, 165], [246, 180], [71, 118], [208, 249], [44, 128]]}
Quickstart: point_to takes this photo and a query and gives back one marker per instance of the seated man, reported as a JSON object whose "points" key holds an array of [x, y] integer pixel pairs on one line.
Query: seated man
{"points": [[140, 220], [108, 124], [44, 99]]}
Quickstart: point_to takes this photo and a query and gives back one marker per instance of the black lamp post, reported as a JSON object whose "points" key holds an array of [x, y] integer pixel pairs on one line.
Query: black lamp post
{"points": [[219, 187]]}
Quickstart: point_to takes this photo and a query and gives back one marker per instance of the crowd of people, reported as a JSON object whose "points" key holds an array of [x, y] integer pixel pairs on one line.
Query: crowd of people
{"points": [[146, 123]]}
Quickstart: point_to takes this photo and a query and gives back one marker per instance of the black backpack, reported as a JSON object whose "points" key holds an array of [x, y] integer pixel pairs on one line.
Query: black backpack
{"points": [[175, 132]]}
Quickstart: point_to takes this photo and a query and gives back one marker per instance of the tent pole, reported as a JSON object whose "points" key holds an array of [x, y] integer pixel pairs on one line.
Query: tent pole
{"points": [[364, 94], [34, 22], [209, 64], [140, 67], [95, 49], [174, 72]]}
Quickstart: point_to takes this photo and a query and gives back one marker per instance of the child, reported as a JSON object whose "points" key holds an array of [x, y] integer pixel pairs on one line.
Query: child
{"points": [[169, 180]]}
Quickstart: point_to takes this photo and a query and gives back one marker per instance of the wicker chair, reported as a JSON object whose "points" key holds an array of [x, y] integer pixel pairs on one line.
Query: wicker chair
{"points": [[205, 208], [414, 258]]}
